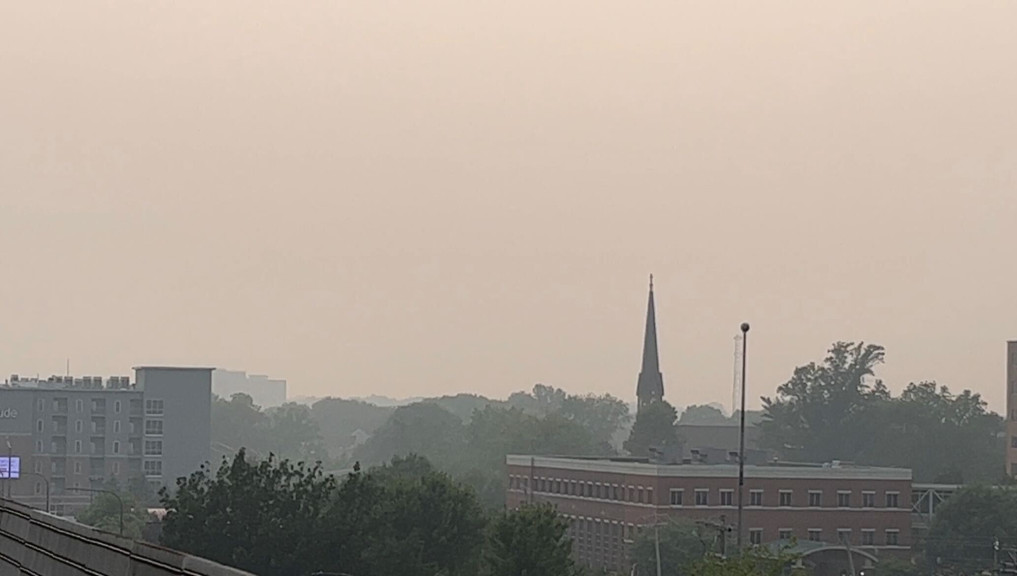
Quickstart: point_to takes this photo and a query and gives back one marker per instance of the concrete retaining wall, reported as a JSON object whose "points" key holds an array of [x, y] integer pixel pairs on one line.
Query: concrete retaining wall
{"points": [[34, 543]]}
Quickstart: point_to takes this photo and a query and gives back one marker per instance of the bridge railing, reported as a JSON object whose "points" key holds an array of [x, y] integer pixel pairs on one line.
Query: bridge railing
{"points": [[34, 543]]}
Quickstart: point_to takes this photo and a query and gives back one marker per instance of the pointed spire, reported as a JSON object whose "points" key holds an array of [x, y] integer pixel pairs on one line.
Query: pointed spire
{"points": [[650, 387]]}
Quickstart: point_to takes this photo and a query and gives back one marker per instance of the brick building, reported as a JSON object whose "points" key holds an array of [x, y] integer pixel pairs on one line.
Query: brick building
{"points": [[607, 500]]}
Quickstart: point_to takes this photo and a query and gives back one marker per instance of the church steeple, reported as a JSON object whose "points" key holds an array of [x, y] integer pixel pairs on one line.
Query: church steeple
{"points": [[650, 387]]}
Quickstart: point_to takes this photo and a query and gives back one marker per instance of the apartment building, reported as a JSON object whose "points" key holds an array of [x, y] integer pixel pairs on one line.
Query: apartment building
{"points": [[827, 506], [73, 434]]}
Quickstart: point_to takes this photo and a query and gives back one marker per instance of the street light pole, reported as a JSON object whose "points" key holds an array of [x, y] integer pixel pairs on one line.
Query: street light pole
{"points": [[114, 494], [46, 482], [656, 543], [10, 464], [741, 437]]}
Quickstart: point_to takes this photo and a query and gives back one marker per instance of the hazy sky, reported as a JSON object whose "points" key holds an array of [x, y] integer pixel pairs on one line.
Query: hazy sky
{"points": [[412, 198]]}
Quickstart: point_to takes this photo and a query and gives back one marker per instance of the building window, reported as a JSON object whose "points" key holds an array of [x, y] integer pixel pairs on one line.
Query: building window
{"points": [[79, 406], [755, 536], [892, 537], [785, 498], [815, 535], [116, 406], [38, 467], [649, 496], [153, 467], [868, 499], [843, 499], [756, 498], [868, 537], [844, 535], [676, 496], [41, 404], [116, 468], [38, 487], [39, 425], [38, 446], [815, 498], [77, 467], [727, 497], [116, 446], [153, 427], [78, 427], [784, 534], [892, 499], [116, 426], [153, 447], [639, 494], [702, 497], [153, 407], [77, 446]]}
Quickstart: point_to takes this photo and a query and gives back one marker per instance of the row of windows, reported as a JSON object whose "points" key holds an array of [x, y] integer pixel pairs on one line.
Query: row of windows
{"points": [[98, 426], [61, 404], [598, 490], [785, 498], [153, 406], [58, 467], [891, 536], [93, 447], [702, 496]]}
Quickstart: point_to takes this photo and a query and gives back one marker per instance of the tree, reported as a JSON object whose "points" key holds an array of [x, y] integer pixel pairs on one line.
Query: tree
{"points": [[422, 428], [294, 435], [104, 512], [966, 526], [404, 518], [601, 416], [654, 427], [531, 541], [257, 516], [816, 413], [758, 561], [338, 419], [681, 544], [541, 401]]}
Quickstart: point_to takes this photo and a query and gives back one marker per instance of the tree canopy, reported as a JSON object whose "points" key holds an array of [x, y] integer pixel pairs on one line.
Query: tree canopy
{"points": [[838, 410], [532, 541], [654, 427], [272, 517], [968, 524]]}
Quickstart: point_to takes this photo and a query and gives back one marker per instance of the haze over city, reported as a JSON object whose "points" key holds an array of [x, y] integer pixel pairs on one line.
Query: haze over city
{"points": [[454, 196]]}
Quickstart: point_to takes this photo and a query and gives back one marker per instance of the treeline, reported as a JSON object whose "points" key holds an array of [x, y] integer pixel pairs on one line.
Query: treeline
{"points": [[839, 410], [277, 518]]}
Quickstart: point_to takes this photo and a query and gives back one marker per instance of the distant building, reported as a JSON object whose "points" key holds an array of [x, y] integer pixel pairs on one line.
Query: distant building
{"points": [[650, 386], [81, 432], [266, 392], [1011, 408], [830, 508]]}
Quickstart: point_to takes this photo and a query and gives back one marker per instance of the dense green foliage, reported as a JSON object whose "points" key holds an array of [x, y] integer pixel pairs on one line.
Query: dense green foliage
{"points": [[530, 541], [546, 422], [105, 509], [654, 428], [837, 411], [271, 517], [967, 525], [682, 543], [287, 431]]}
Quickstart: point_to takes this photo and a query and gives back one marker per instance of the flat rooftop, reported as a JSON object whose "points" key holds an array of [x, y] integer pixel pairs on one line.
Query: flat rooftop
{"points": [[643, 467]]}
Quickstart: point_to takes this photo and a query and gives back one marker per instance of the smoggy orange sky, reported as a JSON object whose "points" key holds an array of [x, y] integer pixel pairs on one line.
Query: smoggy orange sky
{"points": [[416, 198]]}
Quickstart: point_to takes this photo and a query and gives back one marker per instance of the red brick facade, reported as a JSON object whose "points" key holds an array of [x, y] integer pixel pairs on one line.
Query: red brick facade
{"points": [[607, 500]]}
